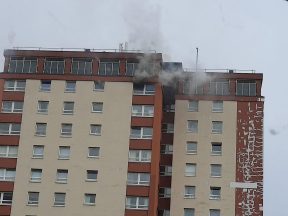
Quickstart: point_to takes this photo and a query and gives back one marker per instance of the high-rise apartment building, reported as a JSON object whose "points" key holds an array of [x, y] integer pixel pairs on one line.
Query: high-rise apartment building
{"points": [[98, 133]]}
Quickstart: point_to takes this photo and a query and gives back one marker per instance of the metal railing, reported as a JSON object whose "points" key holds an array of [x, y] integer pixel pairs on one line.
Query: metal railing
{"points": [[84, 49], [190, 70]]}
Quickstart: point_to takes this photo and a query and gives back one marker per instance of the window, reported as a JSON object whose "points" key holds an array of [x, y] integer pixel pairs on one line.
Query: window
{"points": [[194, 87], [6, 198], [8, 151], [164, 192], [82, 66], [139, 156], [61, 175], [89, 199], [33, 198], [131, 68], [42, 106], [216, 170], [70, 86], [217, 106], [38, 151], [215, 192], [143, 110], [214, 212], [97, 107], [168, 128], [7, 174], [216, 148], [141, 133], [143, 89], [54, 66], [64, 152], [91, 175], [59, 199], [164, 212], [217, 127], [10, 129], [137, 202], [193, 106], [192, 126], [66, 129], [109, 68], [41, 129], [189, 192], [22, 65], [99, 85], [138, 179], [246, 88], [166, 149], [95, 129], [35, 175], [45, 85], [14, 85], [190, 169], [12, 106], [169, 108], [191, 147], [189, 211], [219, 87], [165, 170], [93, 152], [68, 107]]}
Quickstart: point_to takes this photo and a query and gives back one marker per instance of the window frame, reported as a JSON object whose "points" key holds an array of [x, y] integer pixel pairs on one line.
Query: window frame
{"points": [[213, 211], [96, 132], [91, 172], [167, 149], [87, 69], [143, 112], [45, 85], [59, 178], [13, 109], [5, 153], [218, 172], [168, 128], [164, 192], [139, 156], [138, 182], [15, 85], [70, 89], [190, 213], [94, 105], [217, 127], [188, 195], [33, 202], [38, 156], [191, 152], [240, 86], [137, 203], [5, 201], [100, 84], [193, 107], [7, 177], [43, 131], [189, 173], [66, 129], [37, 178], [10, 130], [165, 170], [145, 91], [217, 106], [216, 153], [115, 64], [131, 71], [90, 156], [23, 61], [48, 66], [141, 135], [212, 195], [62, 200], [66, 111], [192, 126], [89, 195], [61, 156], [41, 110]]}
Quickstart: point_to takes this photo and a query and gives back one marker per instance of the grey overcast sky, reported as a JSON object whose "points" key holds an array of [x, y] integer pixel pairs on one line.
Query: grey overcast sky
{"points": [[230, 34]]}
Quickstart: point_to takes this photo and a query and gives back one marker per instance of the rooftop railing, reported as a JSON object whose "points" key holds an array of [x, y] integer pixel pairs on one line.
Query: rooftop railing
{"points": [[191, 70]]}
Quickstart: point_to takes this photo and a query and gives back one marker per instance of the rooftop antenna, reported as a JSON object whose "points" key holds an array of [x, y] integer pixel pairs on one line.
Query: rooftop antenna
{"points": [[197, 59]]}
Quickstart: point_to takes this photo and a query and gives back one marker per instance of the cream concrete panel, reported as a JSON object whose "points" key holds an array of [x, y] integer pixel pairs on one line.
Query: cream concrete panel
{"points": [[110, 189], [203, 158]]}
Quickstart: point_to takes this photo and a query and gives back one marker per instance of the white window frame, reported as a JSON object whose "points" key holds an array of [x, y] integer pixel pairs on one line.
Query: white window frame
{"points": [[167, 170], [66, 130], [187, 194], [194, 124], [190, 213], [88, 64], [164, 192], [41, 110], [191, 151], [92, 156], [7, 174], [68, 111], [216, 170], [10, 130], [137, 204], [189, 173], [59, 178], [24, 61], [143, 111], [99, 83], [47, 87], [12, 109], [97, 105], [38, 156], [134, 67], [216, 152], [48, 65], [92, 172], [214, 212], [61, 156], [168, 128], [38, 177], [6, 154], [166, 149], [217, 106], [89, 195], [70, 89], [33, 202], [59, 202], [96, 132], [140, 157], [42, 132], [113, 64], [139, 180], [193, 106], [141, 135], [15, 85], [145, 91], [217, 127], [242, 85], [3, 201], [213, 195]]}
